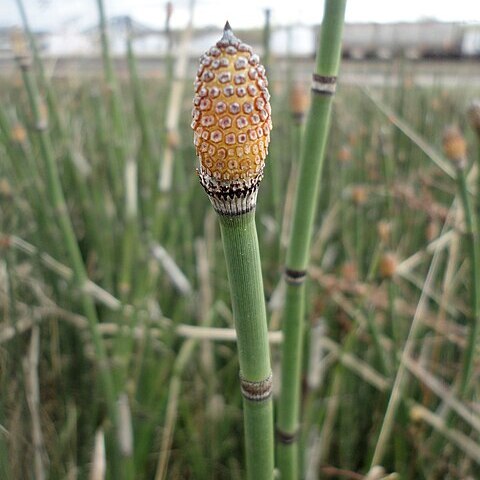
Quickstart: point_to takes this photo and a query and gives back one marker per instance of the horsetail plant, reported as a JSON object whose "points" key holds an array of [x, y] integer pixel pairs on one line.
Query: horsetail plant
{"points": [[455, 149], [473, 116], [231, 121], [311, 161]]}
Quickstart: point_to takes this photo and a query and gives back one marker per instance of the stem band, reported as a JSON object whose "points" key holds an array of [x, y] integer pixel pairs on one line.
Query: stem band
{"points": [[295, 277], [286, 438], [324, 85], [298, 117], [23, 60], [230, 198], [256, 391]]}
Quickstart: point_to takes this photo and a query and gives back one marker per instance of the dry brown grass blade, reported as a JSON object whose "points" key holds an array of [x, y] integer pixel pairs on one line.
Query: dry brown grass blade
{"points": [[463, 442], [99, 462], [443, 392], [32, 386]]}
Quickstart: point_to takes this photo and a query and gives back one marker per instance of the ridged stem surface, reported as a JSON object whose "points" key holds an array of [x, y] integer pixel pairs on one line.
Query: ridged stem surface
{"points": [[119, 135], [44, 82], [306, 199], [242, 256], [473, 252]]}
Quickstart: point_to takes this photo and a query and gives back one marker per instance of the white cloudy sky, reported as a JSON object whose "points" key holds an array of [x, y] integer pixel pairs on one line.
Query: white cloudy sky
{"points": [[46, 14]]}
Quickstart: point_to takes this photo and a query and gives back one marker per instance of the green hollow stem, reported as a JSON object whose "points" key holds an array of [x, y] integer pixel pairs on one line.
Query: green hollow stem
{"points": [[118, 122], [122, 345], [28, 165], [62, 137], [57, 200], [358, 230], [306, 199], [150, 149], [477, 199], [471, 239], [314, 141], [289, 403], [392, 327], [240, 242], [47, 86]]}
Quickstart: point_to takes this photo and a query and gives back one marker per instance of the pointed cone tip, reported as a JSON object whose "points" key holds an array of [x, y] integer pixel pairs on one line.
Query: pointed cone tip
{"points": [[228, 37]]}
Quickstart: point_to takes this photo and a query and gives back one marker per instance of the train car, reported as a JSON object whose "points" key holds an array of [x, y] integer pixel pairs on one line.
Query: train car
{"points": [[426, 39]]}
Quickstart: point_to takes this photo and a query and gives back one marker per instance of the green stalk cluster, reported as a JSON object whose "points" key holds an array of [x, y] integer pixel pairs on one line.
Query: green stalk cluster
{"points": [[121, 161], [57, 200]]}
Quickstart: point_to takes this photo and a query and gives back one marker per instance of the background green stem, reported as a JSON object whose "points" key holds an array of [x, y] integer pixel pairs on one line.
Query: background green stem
{"points": [[311, 162], [472, 245], [119, 129]]}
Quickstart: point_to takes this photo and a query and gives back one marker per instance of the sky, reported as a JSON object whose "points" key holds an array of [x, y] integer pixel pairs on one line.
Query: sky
{"points": [[78, 14]]}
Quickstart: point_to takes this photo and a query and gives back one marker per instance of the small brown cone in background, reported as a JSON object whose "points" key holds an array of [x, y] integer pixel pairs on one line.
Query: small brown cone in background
{"points": [[5, 241], [473, 114], [455, 146], [432, 230], [344, 154], [416, 414], [299, 101], [350, 272], [388, 265], [359, 195], [384, 230], [18, 134], [5, 189]]}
